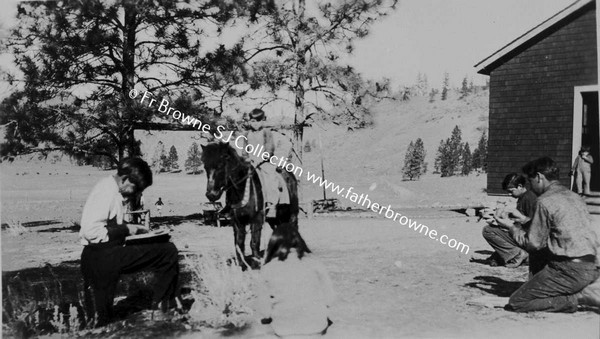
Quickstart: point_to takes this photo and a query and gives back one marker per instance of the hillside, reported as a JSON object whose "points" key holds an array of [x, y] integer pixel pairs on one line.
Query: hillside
{"points": [[396, 124], [371, 159], [381, 148]]}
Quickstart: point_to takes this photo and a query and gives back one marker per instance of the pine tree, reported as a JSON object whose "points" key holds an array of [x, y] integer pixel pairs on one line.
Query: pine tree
{"points": [[405, 93], [407, 168], [158, 160], [475, 163], [437, 165], [454, 151], [173, 158], [432, 95], [164, 162], [481, 151], [414, 160], [446, 163], [193, 161], [464, 90], [422, 86], [107, 47], [449, 153], [466, 159], [419, 154], [446, 86]]}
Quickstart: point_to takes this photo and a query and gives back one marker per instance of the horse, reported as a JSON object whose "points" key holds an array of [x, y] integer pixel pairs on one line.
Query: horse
{"points": [[228, 172]]}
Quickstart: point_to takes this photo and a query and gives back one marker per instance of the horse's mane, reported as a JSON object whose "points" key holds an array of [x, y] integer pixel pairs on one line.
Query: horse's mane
{"points": [[211, 150]]}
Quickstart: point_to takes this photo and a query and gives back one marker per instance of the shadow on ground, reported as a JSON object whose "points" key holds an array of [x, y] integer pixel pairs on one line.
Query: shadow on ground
{"points": [[35, 292], [175, 220], [482, 261], [494, 285], [34, 223], [73, 229], [168, 221]]}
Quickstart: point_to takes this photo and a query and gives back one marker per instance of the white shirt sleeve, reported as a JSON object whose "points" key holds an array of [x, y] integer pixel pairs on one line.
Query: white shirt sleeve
{"points": [[99, 208]]}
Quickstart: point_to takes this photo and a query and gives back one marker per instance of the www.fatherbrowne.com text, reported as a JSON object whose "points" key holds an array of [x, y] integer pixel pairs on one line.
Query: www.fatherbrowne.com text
{"points": [[258, 151]]}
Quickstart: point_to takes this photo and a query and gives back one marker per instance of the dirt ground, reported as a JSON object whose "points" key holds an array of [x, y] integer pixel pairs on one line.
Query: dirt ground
{"points": [[391, 282]]}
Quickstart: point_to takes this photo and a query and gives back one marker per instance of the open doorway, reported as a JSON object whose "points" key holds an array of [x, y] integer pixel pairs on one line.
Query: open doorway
{"points": [[586, 129]]}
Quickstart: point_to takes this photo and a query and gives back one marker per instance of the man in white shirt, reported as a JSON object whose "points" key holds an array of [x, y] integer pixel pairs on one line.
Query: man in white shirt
{"points": [[103, 233]]}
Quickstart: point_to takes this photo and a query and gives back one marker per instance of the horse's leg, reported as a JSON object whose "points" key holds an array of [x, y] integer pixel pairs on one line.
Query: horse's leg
{"points": [[274, 222], [256, 229], [239, 238]]}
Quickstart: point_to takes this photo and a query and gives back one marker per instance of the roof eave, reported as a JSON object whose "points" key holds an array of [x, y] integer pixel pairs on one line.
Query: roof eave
{"points": [[487, 65]]}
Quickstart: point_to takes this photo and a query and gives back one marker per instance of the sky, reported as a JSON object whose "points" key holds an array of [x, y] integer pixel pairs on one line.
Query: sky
{"points": [[437, 36], [426, 36]]}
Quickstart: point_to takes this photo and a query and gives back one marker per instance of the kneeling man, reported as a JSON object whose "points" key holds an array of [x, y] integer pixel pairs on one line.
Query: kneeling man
{"points": [[561, 223]]}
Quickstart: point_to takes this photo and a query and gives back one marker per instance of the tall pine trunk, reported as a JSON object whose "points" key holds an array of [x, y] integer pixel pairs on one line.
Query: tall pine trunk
{"points": [[299, 87], [127, 116], [299, 97]]}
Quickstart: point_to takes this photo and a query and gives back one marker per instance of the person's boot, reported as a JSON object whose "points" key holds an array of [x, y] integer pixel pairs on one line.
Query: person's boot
{"points": [[493, 260], [590, 295], [517, 261]]}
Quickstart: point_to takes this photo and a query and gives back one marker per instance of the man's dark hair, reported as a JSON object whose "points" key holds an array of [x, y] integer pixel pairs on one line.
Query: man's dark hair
{"points": [[545, 166], [284, 238], [513, 180], [137, 171]]}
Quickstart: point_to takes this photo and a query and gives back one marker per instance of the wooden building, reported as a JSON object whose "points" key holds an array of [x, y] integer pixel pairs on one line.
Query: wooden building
{"points": [[544, 96]]}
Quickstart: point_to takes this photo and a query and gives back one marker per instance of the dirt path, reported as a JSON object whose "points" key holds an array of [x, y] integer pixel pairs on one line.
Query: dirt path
{"points": [[392, 282]]}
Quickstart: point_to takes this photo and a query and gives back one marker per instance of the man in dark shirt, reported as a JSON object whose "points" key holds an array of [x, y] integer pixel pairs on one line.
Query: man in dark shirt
{"points": [[506, 248], [561, 223]]}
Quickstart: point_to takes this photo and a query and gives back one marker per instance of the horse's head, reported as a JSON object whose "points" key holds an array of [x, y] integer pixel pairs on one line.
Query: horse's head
{"points": [[219, 161]]}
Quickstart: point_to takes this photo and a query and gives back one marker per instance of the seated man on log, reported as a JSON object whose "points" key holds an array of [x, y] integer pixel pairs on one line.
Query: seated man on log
{"points": [[103, 233]]}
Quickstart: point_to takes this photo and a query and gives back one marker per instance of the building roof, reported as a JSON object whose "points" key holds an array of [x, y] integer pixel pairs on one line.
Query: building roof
{"points": [[488, 64]]}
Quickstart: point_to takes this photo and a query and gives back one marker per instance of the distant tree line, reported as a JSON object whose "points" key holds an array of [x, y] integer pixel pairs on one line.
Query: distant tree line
{"points": [[455, 157], [421, 88], [163, 162]]}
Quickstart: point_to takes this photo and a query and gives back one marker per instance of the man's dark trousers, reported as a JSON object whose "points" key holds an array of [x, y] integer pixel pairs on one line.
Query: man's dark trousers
{"points": [[502, 242], [101, 265], [553, 289]]}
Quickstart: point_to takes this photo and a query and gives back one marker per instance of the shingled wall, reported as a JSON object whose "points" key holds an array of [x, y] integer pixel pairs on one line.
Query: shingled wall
{"points": [[531, 97]]}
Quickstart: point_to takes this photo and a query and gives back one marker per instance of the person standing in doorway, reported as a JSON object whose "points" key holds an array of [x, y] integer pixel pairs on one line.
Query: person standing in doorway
{"points": [[582, 170]]}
